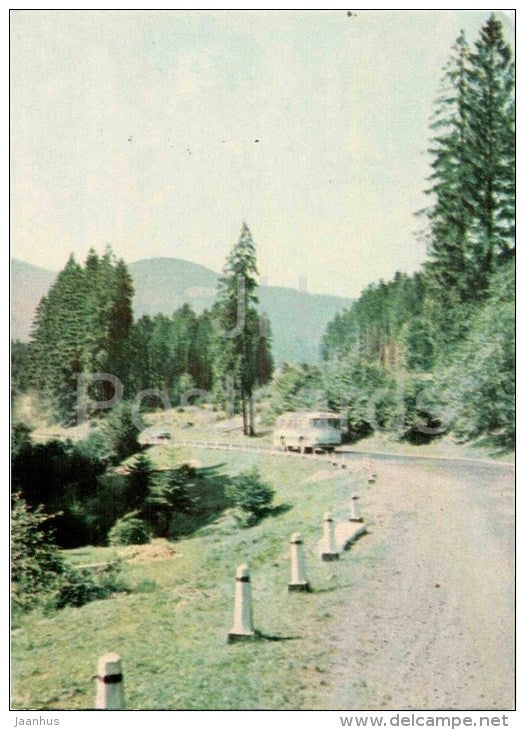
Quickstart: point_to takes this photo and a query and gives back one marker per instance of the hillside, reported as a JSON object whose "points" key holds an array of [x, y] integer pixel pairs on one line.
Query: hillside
{"points": [[298, 319], [28, 285], [379, 626]]}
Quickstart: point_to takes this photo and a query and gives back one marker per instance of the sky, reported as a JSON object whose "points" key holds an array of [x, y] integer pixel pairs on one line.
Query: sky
{"points": [[159, 132]]}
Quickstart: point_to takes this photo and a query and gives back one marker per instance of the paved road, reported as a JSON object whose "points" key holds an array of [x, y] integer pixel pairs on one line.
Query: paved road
{"points": [[429, 624]]}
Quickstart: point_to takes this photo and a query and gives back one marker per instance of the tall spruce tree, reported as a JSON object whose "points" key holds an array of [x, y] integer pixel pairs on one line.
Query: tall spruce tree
{"points": [[81, 326], [450, 269], [119, 321], [472, 215], [238, 325], [263, 352], [492, 143]]}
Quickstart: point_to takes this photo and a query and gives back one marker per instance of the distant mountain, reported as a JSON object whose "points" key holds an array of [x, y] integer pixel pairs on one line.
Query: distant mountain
{"points": [[298, 319], [28, 285], [163, 285]]}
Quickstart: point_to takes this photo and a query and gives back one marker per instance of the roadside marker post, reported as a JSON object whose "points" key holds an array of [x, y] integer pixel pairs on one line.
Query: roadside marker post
{"points": [[298, 579], [110, 685], [329, 549], [370, 472], [355, 515], [242, 628]]}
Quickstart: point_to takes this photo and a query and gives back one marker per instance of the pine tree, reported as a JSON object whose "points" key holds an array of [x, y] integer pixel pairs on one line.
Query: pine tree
{"points": [[263, 353], [239, 324], [139, 482], [82, 326], [472, 216], [119, 320], [450, 270], [491, 121]]}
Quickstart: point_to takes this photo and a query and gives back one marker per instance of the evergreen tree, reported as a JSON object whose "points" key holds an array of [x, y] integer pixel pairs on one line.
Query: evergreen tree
{"points": [[20, 367], [472, 216], [238, 321], [121, 432], [263, 353], [139, 482], [119, 320], [201, 352], [491, 122], [479, 384], [171, 495], [450, 269], [81, 326]]}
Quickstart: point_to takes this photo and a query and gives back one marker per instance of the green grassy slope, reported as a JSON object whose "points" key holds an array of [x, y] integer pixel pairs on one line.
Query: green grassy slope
{"points": [[171, 631]]}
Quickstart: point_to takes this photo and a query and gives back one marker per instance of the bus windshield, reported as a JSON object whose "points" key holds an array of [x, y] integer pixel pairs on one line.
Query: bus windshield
{"points": [[325, 422]]}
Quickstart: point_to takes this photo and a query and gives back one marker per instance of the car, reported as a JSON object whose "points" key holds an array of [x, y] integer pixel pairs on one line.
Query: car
{"points": [[307, 431]]}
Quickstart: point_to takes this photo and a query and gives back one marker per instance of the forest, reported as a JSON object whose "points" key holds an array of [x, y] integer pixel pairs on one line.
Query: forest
{"points": [[423, 355], [445, 335]]}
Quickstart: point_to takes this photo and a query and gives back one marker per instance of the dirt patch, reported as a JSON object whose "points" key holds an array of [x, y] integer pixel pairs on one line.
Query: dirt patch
{"points": [[158, 550]]}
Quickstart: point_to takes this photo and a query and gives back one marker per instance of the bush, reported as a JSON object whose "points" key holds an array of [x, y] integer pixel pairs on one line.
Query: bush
{"points": [[35, 560], [129, 530], [479, 383], [421, 412], [77, 586], [169, 495], [251, 495], [139, 481], [122, 432], [40, 575]]}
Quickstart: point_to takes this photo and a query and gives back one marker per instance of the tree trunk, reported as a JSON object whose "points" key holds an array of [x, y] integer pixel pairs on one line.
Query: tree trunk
{"points": [[244, 423], [250, 403]]}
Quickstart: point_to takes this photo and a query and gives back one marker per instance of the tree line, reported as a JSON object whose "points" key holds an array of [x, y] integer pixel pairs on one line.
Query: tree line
{"points": [[451, 326], [85, 325]]}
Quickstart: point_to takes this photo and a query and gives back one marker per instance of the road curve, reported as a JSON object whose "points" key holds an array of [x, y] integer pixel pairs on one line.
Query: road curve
{"points": [[429, 624]]}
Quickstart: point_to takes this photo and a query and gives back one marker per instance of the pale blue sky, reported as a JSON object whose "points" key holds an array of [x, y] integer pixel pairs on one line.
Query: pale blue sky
{"points": [[138, 129]]}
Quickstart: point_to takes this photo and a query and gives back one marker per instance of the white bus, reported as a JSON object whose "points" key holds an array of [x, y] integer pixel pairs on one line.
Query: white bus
{"points": [[307, 431]]}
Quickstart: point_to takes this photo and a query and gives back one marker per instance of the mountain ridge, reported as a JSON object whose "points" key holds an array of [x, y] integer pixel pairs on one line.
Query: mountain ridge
{"points": [[163, 284]]}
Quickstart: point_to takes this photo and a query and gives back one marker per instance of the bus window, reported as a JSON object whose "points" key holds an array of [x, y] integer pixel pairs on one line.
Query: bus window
{"points": [[325, 422]]}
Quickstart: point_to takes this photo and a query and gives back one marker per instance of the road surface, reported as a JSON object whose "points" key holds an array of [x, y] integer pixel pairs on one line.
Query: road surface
{"points": [[430, 622]]}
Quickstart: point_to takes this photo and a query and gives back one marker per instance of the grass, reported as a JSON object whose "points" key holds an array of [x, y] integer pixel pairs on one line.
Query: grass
{"points": [[171, 628], [446, 447]]}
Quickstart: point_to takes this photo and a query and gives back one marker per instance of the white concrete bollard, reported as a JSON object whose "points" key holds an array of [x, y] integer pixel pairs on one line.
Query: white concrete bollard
{"points": [[243, 615], [298, 579], [355, 515], [329, 549], [370, 472], [110, 686]]}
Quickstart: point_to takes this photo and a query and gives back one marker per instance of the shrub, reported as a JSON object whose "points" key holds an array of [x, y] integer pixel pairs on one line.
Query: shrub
{"points": [[129, 530], [169, 495], [421, 412], [40, 575], [35, 560], [139, 481], [77, 586], [479, 383], [251, 495], [122, 432]]}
